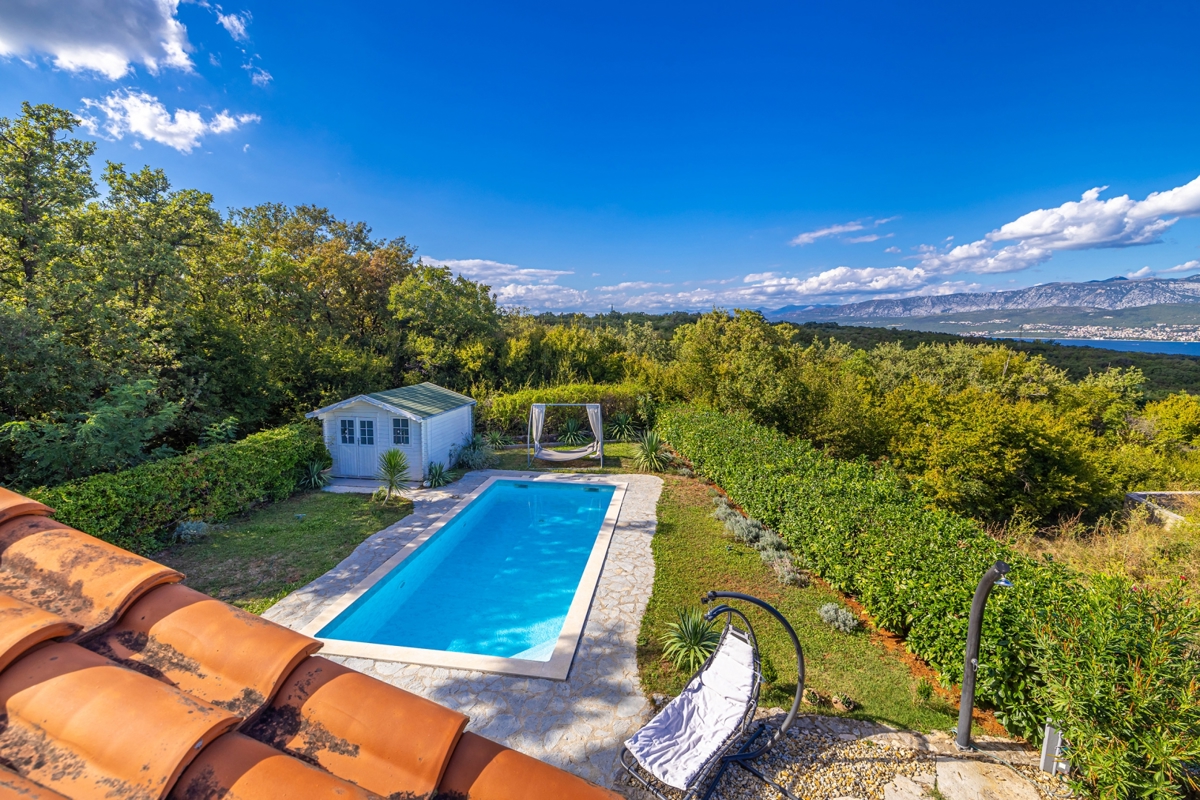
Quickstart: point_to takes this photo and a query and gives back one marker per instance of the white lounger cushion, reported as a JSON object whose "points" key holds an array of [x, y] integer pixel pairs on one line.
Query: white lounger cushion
{"points": [[674, 745]]}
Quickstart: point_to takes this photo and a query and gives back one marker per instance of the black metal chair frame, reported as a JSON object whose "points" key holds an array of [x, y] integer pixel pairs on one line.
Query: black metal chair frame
{"points": [[704, 784]]}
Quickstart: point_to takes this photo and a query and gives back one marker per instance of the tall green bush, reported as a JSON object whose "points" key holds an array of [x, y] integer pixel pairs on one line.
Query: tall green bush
{"points": [[509, 412], [136, 508], [915, 568]]}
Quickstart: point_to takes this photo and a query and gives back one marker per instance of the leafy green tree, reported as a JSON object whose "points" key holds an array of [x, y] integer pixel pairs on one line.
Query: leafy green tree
{"points": [[114, 433], [451, 326], [43, 176]]}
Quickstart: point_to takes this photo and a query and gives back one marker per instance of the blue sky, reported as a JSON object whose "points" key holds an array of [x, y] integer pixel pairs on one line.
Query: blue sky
{"points": [[656, 156]]}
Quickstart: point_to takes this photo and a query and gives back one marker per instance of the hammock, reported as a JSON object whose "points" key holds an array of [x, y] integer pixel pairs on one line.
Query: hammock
{"points": [[537, 419]]}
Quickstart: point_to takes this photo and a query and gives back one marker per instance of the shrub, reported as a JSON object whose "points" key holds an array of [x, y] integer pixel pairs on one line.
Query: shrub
{"points": [[138, 508], [473, 453], [1120, 670], [837, 617], [690, 641], [510, 412], [437, 476], [650, 455]]}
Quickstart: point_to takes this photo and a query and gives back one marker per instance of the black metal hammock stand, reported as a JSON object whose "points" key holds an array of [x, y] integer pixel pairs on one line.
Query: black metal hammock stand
{"points": [[688, 745]]}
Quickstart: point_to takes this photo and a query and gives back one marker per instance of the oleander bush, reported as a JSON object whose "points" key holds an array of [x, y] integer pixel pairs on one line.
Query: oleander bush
{"points": [[139, 508], [914, 569]]}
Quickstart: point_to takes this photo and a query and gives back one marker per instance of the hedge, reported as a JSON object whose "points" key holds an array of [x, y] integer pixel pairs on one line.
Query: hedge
{"points": [[914, 568], [509, 412], [137, 507]]}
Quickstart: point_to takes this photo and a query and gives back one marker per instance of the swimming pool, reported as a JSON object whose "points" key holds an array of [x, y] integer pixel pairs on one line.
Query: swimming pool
{"points": [[502, 582]]}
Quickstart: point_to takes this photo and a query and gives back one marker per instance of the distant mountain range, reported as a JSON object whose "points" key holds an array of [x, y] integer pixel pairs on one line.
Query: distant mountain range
{"points": [[1112, 294]]}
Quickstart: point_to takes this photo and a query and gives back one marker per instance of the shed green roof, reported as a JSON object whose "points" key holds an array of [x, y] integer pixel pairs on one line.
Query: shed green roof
{"points": [[424, 399]]}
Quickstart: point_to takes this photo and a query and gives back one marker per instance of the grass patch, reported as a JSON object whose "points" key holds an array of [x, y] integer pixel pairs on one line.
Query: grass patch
{"points": [[618, 457], [256, 560], [693, 554]]}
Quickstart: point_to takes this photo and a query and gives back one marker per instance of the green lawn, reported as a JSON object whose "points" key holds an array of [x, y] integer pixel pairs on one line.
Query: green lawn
{"points": [[618, 457], [693, 554], [254, 561]]}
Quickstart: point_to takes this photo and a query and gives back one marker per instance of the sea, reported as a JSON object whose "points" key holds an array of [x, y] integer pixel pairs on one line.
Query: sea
{"points": [[1131, 345]]}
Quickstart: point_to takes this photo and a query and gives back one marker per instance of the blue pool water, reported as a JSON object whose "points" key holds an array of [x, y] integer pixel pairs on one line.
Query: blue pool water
{"points": [[496, 580]]}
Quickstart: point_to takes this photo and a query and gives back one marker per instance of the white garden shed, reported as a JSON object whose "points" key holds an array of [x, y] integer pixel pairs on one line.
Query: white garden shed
{"points": [[423, 421]]}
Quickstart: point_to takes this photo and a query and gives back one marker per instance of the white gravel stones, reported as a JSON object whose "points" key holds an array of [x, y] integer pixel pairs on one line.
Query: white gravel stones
{"points": [[577, 724]]}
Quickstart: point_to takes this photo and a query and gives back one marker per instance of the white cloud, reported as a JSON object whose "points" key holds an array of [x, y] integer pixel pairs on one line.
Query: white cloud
{"points": [[142, 115], [1144, 272], [870, 237], [892, 249], [1090, 223], [493, 272], [234, 24], [845, 227], [106, 36], [258, 76], [833, 230], [1187, 266]]}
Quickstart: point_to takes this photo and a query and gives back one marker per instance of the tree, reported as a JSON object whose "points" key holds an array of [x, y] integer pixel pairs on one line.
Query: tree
{"points": [[42, 176]]}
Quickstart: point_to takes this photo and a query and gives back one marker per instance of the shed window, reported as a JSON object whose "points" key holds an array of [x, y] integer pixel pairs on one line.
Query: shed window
{"points": [[347, 431], [399, 431], [366, 431]]}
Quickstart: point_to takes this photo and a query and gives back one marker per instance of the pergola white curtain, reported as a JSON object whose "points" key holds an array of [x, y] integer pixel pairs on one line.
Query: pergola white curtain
{"points": [[537, 422]]}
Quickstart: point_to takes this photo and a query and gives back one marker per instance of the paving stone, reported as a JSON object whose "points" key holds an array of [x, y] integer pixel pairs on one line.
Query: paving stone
{"points": [[959, 779], [905, 788]]}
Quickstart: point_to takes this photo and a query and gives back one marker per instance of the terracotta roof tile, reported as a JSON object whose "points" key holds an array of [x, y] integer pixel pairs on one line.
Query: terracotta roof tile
{"points": [[384, 739], [13, 505], [236, 767], [14, 787], [80, 725], [481, 769], [218, 653], [23, 627], [80, 578]]}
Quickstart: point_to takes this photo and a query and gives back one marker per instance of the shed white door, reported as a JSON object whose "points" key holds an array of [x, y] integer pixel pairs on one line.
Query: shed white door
{"points": [[357, 448]]}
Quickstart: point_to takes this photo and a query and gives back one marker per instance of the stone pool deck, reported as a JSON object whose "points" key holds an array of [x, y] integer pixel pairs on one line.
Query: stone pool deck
{"points": [[577, 724]]}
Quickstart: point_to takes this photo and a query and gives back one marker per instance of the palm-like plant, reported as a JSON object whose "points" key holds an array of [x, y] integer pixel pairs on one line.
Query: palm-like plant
{"points": [[314, 476], [621, 428], [393, 472], [573, 432], [496, 439], [650, 454], [438, 476], [689, 642]]}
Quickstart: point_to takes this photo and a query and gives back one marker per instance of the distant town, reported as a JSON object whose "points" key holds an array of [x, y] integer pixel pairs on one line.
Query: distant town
{"points": [[1162, 332]]}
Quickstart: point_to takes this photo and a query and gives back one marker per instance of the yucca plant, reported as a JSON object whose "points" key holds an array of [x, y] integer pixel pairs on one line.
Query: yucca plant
{"points": [[496, 439], [314, 476], [621, 428], [393, 472], [573, 432], [650, 454], [438, 476], [689, 642]]}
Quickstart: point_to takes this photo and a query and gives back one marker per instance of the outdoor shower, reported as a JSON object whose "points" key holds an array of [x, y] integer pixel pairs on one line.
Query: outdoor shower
{"points": [[994, 575]]}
